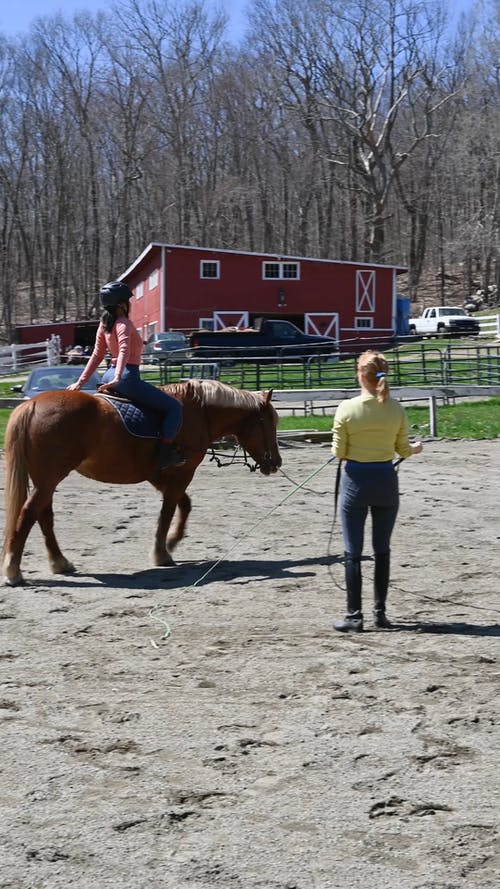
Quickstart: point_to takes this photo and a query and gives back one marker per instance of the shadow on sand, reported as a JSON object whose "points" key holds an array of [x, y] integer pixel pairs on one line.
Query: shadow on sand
{"points": [[442, 629]]}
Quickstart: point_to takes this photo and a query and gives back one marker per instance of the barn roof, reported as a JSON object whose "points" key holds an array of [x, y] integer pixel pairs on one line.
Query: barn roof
{"points": [[277, 256]]}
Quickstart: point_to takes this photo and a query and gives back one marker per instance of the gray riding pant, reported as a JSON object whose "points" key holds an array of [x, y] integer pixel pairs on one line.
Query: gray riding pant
{"points": [[363, 487]]}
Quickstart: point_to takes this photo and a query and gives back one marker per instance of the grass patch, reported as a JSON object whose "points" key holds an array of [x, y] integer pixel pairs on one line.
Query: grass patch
{"points": [[470, 419], [6, 388], [4, 416]]}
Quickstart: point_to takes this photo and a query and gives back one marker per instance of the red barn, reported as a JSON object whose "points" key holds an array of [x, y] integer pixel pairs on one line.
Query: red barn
{"points": [[187, 288], [71, 333]]}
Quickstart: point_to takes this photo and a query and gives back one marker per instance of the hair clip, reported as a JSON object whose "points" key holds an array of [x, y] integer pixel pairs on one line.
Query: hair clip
{"points": [[380, 374]]}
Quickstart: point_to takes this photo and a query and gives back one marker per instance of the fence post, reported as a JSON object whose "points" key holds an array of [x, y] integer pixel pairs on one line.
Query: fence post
{"points": [[432, 416], [53, 349]]}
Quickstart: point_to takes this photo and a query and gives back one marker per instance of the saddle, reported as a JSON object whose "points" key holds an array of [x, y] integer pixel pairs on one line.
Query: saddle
{"points": [[138, 421]]}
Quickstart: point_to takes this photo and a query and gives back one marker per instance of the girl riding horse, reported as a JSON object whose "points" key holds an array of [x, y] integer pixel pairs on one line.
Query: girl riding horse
{"points": [[117, 335]]}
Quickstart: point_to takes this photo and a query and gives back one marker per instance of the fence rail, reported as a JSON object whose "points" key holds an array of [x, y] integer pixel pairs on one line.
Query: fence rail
{"points": [[17, 357], [489, 325], [411, 364], [310, 399]]}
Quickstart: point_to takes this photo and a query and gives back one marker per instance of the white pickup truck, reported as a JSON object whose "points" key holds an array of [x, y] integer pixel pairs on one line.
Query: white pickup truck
{"points": [[444, 321]]}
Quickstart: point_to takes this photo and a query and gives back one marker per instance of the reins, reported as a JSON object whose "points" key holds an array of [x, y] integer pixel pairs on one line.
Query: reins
{"points": [[222, 460]]}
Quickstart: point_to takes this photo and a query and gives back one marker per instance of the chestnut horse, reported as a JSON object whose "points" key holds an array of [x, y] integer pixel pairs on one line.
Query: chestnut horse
{"points": [[56, 432]]}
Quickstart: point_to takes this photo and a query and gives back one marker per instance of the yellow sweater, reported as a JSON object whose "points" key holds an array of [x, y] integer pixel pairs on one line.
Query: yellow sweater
{"points": [[369, 431]]}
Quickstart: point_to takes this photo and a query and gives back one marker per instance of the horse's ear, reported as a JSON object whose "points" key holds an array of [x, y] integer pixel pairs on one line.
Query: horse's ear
{"points": [[267, 396]]}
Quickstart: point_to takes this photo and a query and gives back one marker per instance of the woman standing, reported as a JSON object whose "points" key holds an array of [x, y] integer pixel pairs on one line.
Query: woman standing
{"points": [[367, 431], [117, 335]]}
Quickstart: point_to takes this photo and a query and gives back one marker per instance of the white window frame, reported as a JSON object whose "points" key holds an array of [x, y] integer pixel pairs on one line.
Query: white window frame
{"points": [[364, 323], [153, 280], [139, 290], [216, 263], [281, 270]]}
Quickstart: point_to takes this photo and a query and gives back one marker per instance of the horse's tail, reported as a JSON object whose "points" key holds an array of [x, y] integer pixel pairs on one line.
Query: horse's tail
{"points": [[16, 469]]}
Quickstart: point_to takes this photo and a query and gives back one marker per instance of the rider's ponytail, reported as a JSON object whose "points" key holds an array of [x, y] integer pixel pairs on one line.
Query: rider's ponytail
{"points": [[108, 316]]}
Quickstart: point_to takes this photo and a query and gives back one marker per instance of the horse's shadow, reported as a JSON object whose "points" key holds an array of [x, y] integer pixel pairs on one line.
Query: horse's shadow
{"points": [[197, 574], [183, 575]]}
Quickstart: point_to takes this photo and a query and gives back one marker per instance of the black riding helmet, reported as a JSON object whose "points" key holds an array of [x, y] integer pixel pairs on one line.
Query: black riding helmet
{"points": [[114, 293]]}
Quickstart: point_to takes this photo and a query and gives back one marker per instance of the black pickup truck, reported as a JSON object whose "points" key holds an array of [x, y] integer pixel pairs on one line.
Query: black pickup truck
{"points": [[268, 338]]}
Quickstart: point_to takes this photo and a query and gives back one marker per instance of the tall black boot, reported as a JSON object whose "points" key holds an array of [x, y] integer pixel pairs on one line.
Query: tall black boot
{"points": [[353, 621], [169, 455], [381, 585]]}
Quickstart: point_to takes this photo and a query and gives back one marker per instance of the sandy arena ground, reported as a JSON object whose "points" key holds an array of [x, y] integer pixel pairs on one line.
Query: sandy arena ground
{"points": [[254, 748]]}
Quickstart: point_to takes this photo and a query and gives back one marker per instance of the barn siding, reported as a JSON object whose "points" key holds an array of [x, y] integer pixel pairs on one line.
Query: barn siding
{"points": [[323, 287]]}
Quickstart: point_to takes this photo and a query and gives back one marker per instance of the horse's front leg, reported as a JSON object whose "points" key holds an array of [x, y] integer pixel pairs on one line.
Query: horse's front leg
{"points": [[173, 489], [58, 563], [176, 530]]}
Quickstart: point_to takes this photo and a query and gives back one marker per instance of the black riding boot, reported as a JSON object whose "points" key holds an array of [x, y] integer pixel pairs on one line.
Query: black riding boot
{"points": [[169, 456], [353, 621], [381, 585]]}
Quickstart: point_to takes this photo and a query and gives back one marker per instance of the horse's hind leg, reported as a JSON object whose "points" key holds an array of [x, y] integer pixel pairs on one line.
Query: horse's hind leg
{"points": [[14, 545], [160, 554], [58, 563], [176, 532]]}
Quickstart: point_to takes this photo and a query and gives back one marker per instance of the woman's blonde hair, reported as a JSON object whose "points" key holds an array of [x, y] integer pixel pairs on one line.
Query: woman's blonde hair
{"points": [[373, 366]]}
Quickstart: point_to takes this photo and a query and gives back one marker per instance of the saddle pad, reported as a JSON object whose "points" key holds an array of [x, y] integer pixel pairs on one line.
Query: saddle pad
{"points": [[139, 421]]}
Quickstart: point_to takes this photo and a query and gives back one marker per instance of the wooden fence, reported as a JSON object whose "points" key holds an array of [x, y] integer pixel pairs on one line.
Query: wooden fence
{"points": [[490, 325], [313, 400], [15, 358]]}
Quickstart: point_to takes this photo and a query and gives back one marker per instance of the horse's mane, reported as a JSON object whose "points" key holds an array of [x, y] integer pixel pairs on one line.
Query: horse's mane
{"points": [[214, 393]]}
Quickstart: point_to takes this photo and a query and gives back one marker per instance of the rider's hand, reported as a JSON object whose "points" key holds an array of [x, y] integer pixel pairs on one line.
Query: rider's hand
{"points": [[108, 387], [74, 387]]}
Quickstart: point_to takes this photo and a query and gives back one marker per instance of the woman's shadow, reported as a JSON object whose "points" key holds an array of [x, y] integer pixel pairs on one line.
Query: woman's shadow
{"points": [[448, 629]]}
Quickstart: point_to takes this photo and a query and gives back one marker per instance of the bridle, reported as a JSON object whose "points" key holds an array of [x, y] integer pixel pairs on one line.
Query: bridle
{"points": [[267, 461]]}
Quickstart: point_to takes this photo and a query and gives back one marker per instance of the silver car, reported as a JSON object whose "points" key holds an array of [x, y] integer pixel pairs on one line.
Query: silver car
{"points": [[46, 379], [165, 345]]}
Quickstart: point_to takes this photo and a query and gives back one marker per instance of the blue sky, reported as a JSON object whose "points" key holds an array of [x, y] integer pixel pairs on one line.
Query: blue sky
{"points": [[16, 17]]}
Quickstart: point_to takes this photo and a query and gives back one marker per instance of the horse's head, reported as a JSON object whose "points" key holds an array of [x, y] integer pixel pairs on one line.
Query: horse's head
{"points": [[257, 435]]}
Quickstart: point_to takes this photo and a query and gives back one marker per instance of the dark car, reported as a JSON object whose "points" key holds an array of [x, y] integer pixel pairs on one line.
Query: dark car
{"points": [[164, 345], [46, 379]]}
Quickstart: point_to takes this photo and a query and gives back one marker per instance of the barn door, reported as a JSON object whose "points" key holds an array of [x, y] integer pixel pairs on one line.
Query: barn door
{"points": [[230, 319], [322, 324], [365, 290]]}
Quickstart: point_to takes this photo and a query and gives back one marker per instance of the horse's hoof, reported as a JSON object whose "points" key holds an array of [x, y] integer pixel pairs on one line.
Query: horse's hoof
{"points": [[63, 567], [163, 561], [14, 581]]}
